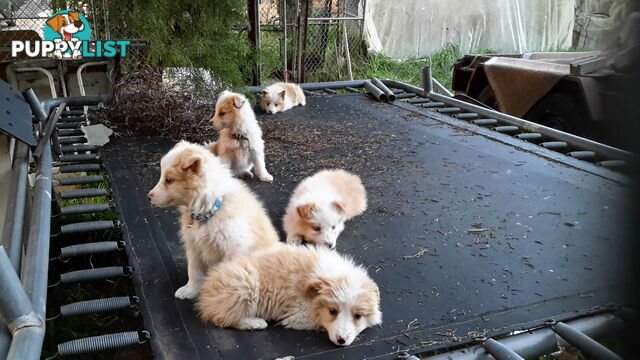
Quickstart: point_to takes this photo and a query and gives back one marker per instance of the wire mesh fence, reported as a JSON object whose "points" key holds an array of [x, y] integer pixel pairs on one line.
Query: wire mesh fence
{"points": [[310, 40]]}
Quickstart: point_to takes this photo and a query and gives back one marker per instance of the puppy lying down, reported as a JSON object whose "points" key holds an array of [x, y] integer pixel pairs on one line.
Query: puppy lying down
{"points": [[220, 217], [301, 287], [321, 204], [282, 97]]}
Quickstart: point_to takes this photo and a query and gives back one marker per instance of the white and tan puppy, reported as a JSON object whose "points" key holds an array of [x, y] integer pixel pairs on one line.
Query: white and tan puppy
{"points": [[240, 143], [220, 217], [304, 288], [321, 204], [282, 97]]}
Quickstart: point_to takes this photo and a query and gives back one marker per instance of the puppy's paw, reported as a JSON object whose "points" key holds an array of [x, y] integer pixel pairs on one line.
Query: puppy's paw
{"points": [[266, 177], [252, 324], [247, 175], [187, 292]]}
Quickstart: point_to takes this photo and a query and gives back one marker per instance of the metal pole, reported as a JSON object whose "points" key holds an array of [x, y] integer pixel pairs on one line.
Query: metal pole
{"points": [[34, 104], [74, 101], [427, 83], [13, 225], [35, 264], [590, 348], [499, 351], [346, 50], [52, 84], [391, 97], [284, 34], [319, 85], [377, 93], [15, 306]]}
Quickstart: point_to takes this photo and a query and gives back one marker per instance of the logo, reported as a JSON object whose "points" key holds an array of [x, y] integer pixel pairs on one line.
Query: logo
{"points": [[67, 35]]}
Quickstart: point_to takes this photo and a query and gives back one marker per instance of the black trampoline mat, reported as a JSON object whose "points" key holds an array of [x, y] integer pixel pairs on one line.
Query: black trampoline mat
{"points": [[468, 232]]}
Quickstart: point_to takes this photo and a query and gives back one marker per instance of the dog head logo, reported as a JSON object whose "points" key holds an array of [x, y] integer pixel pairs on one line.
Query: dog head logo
{"points": [[67, 25]]}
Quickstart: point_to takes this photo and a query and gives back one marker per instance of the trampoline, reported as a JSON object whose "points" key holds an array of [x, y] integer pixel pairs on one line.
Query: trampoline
{"points": [[469, 232]]}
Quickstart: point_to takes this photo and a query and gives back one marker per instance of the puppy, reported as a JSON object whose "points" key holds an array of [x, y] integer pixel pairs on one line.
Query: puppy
{"points": [[281, 97], [220, 217], [304, 288], [240, 143], [321, 204]]}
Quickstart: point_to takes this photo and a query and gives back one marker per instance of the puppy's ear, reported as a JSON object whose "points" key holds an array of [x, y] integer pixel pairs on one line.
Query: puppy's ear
{"points": [[191, 162], [338, 205], [55, 23], [265, 93], [74, 16], [315, 287], [304, 211], [238, 102], [282, 93]]}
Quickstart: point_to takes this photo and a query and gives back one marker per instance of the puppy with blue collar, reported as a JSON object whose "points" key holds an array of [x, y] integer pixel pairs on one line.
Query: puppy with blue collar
{"points": [[220, 218]]}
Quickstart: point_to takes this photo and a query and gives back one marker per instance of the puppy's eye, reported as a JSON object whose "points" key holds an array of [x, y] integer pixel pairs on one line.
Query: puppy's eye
{"points": [[357, 316], [168, 180], [222, 113], [333, 312], [317, 229]]}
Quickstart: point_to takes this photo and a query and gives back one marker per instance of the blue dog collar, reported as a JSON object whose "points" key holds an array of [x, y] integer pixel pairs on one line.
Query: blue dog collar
{"points": [[203, 218]]}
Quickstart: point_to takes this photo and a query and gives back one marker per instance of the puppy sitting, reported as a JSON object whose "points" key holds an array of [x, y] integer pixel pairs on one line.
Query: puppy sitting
{"points": [[281, 97], [302, 287], [240, 143], [321, 204], [221, 218]]}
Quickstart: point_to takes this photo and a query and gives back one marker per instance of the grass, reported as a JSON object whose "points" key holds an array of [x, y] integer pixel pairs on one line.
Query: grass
{"points": [[410, 71]]}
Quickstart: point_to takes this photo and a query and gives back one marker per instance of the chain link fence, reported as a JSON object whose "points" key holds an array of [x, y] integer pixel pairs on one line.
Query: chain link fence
{"points": [[310, 40]]}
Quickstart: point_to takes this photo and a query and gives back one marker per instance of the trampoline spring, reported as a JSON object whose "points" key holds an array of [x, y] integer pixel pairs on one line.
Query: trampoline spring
{"points": [[98, 306], [72, 118], [529, 136], [79, 157], [102, 343], [466, 116], [65, 169], [582, 155], [499, 351], [433, 104], [79, 148], [84, 193], [613, 164], [73, 140], [506, 129], [418, 101], [406, 356], [485, 122], [554, 145], [330, 91], [406, 96], [71, 125], [89, 226], [90, 248], [70, 132], [81, 180], [352, 90], [72, 113], [85, 209], [94, 274], [449, 110]]}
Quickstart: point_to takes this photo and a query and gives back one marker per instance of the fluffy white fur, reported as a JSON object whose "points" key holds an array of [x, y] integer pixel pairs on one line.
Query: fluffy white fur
{"points": [[234, 117], [193, 179], [282, 97], [320, 205], [301, 287]]}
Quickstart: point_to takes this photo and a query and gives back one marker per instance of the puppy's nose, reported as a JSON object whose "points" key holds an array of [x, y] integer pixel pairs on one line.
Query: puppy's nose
{"points": [[331, 246], [77, 23], [341, 340], [150, 196]]}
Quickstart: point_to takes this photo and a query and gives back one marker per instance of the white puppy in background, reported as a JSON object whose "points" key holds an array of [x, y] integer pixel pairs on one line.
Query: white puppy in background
{"points": [[281, 97], [240, 143], [321, 204]]}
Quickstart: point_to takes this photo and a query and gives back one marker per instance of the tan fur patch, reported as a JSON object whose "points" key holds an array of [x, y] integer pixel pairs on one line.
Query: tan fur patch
{"points": [[304, 211]]}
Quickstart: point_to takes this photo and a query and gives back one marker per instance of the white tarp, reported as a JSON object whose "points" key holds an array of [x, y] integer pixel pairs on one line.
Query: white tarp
{"points": [[404, 29]]}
